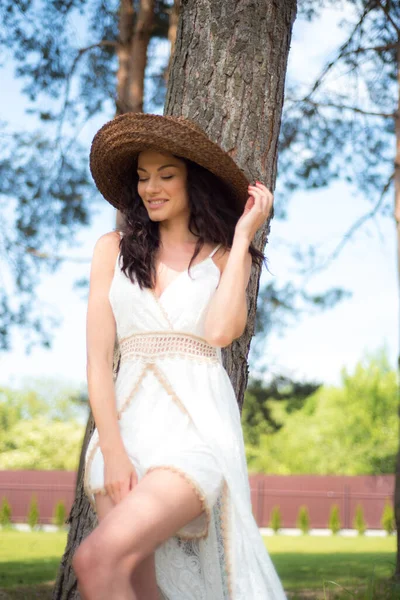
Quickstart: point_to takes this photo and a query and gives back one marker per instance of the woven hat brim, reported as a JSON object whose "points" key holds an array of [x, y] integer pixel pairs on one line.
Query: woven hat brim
{"points": [[117, 144]]}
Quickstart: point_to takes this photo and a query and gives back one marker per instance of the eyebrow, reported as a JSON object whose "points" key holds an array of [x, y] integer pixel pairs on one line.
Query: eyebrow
{"points": [[159, 169]]}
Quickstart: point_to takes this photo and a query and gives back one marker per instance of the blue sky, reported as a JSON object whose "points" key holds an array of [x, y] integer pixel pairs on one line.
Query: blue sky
{"points": [[313, 346]]}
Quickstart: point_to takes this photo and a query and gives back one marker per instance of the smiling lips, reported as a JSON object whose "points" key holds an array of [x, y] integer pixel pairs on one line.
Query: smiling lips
{"points": [[156, 203]]}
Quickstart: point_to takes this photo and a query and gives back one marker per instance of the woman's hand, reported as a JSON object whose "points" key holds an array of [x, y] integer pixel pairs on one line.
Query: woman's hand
{"points": [[256, 211], [120, 476]]}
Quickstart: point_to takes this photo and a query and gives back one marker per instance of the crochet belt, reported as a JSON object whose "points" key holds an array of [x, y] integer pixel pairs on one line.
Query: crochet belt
{"points": [[155, 345]]}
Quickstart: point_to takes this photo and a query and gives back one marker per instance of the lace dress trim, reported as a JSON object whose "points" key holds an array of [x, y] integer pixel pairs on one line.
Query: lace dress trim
{"points": [[199, 493], [161, 344]]}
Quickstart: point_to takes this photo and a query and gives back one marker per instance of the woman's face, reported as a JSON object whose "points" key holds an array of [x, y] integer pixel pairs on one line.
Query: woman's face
{"points": [[162, 185]]}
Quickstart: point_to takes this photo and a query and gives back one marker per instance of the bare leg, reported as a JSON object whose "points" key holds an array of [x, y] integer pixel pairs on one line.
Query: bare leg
{"points": [[143, 579], [159, 506]]}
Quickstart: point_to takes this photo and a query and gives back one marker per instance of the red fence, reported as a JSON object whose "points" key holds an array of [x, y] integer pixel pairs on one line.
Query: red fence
{"points": [[319, 493], [289, 492], [48, 486]]}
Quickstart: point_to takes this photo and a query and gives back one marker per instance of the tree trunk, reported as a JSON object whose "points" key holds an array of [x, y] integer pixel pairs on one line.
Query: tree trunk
{"points": [[172, 28], [134, 37], [397, 219], [138, 56], [227, 74], [125, 25]]}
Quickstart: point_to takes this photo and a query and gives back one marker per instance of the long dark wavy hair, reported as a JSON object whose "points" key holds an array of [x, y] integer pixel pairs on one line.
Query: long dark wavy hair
{"points": [[213, 218]]}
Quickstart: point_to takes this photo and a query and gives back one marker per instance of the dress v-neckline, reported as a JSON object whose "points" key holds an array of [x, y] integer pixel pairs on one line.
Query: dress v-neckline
{"points": [[180, 274]]}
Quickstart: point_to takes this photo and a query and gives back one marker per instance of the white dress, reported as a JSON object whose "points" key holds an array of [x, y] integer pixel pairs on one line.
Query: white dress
{"points": [[178, 410]]}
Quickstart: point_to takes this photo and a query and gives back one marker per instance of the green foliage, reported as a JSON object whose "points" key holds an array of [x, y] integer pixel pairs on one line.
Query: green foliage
{"points": [[41, 428], [276, 519], [33, 513], [42, 444], [256, 415], [334, 520], [303, 520], [359, 522], [60, 514], [365, 442], [5, 513], [387, 520]]}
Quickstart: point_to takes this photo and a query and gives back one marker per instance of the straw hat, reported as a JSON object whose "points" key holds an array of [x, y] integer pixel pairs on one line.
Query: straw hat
{"points": [[116, 145]]}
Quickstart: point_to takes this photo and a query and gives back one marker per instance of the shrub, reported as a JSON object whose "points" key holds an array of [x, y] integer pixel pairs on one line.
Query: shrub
{"points": [[303, 520], [387, 519], [60, 514], [276, 519], [334, 520], [33, 513], [5, 513], [359, 521]]}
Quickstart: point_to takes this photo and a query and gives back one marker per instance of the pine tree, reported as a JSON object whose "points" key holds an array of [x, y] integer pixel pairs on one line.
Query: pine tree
{"points": [[334, 520], [276, 519], [359, 522], [5, 513], [303, 520], [33, 513], [60, 514], [387, 520]]}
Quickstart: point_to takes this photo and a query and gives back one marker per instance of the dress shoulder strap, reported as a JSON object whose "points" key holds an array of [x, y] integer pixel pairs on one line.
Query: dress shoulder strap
{"points": [[214, 251]]}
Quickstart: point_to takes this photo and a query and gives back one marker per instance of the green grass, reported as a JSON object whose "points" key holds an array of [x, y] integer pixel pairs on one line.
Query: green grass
{"points": [[303, 563], [307, 563], [29, 558]]}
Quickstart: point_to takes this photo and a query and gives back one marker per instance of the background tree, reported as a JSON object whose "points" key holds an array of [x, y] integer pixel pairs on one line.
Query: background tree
{"points": [[364, 443], [69, 55], [346, 125], [219, 48]]}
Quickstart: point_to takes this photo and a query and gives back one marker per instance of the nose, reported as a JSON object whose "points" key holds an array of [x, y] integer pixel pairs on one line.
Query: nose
{"points": [[153, 185]]}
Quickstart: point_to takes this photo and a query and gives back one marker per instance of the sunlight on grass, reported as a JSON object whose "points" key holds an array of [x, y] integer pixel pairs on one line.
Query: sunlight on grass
{"points": [[307, 562], [27, 558], [303, 563]]}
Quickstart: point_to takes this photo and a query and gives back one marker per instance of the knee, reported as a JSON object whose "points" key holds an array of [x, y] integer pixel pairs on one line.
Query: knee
{"points": [[84, 560], [91, 563]]}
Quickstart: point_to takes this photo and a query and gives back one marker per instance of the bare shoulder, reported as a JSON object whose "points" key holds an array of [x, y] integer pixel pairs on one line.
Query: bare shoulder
{"points": [[105, 254], [107, 246]]}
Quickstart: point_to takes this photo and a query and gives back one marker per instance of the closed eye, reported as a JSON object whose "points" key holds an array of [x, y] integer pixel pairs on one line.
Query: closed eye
{"points": [[168, 177]]}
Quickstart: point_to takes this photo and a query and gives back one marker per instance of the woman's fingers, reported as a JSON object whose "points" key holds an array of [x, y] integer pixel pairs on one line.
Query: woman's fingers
{"points": [[263, 197]]}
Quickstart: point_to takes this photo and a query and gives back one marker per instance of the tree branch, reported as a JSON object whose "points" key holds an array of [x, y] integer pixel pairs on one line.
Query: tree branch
{"points": [[80, 53], [355, 227], [386, 11], [341, 52], [345, 107], [371, 49], [47, 256]]}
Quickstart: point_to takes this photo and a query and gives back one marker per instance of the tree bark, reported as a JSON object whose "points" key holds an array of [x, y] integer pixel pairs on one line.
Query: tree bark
{"points": [[227, 73], [397, 220]]}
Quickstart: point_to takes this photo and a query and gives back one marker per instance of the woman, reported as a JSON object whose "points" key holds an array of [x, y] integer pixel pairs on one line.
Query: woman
{"points": [[165, 467]]}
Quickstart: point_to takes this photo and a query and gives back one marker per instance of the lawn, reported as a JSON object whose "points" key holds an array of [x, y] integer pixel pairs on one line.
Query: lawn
{"points": [[29, 558], [303, 563], [307, 562]]}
